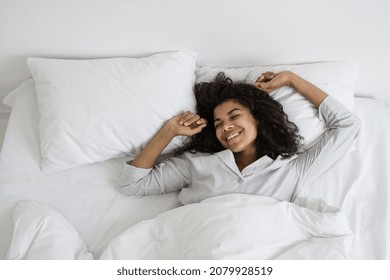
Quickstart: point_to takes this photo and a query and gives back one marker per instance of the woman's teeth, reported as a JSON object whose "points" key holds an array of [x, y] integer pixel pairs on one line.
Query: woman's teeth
{"points": [[231, 136]]}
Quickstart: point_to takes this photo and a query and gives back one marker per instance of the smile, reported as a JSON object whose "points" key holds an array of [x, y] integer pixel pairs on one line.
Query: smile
{"points": [[233, 135]]}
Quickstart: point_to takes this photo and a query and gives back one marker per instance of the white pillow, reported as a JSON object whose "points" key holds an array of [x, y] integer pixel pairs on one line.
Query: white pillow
{"points": [[336, 78], [94, 110]]}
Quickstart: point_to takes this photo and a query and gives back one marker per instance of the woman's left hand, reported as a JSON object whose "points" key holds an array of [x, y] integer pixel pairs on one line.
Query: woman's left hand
{"points": [[270, 81]]}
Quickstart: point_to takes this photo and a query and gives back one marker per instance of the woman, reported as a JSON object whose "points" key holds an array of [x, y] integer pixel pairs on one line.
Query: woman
{"points": [[242, 142]]}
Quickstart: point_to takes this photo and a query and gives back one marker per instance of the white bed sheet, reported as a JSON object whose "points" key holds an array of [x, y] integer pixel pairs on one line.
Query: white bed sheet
{"points": [[87, 198]]}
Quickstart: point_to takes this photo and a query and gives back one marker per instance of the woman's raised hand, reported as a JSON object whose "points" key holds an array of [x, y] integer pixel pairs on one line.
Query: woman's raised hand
{"points": [[270, 81], [187, 124]]}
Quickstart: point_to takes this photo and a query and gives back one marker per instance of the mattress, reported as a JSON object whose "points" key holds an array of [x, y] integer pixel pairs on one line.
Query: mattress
{"points": [[86, 197]]}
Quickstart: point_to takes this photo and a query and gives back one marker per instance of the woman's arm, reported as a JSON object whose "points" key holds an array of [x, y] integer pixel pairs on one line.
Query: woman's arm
{"points": [[270, 81], [342, 130], [186, 124], [334, 144]]}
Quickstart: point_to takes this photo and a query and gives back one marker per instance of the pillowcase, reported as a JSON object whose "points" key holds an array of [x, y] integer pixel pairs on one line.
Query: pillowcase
{"points": [[94, 110], [335, 78]]}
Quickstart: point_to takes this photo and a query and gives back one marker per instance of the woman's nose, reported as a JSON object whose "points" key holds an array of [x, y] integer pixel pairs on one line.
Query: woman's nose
{"points": [[227, 126]]}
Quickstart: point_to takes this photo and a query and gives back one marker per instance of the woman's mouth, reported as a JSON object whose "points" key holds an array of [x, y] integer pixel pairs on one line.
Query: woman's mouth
{"points": [[232, 136]]}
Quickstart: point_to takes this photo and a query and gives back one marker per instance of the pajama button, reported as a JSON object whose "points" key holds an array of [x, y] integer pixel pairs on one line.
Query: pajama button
{"points": [[239, 180]]}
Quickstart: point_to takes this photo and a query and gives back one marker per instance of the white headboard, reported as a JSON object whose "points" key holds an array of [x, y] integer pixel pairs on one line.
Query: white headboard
{"points": [[222, 32]]}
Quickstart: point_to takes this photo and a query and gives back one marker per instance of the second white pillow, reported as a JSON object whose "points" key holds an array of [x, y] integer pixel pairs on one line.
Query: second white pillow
{"points": [[337, 78], [94, 110]]}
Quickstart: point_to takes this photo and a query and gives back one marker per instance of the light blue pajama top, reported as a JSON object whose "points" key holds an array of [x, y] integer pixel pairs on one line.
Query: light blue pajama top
{"points": [[202, 175]]}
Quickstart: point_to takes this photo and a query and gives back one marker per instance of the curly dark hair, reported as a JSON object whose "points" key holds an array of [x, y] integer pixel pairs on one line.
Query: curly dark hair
{"points": [[276, 135]]}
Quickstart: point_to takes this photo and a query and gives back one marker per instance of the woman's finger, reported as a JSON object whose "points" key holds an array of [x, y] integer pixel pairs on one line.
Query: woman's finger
{"points": [[265, 77], [201, 121], [268, 76], [197, 129], [198, 123], [185, 116], [189, 118], [192, 120], [260, 78], [266, 87]]}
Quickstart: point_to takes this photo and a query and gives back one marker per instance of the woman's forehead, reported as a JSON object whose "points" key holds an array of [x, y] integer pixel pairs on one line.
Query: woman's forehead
{"points": [[227, 106]]}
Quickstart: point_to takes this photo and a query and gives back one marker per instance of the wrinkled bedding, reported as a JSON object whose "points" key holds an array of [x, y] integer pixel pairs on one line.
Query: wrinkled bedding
{"points": [[234, 226], [238, 226]]}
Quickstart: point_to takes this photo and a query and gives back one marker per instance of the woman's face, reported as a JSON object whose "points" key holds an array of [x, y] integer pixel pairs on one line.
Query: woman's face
{"points": [[235, 127]]}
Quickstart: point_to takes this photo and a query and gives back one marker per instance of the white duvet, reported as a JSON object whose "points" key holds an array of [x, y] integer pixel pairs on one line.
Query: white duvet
{"points": [[234, 226]]}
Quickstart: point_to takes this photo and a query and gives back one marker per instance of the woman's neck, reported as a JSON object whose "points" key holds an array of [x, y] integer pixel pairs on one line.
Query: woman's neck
{"points": [[243, 159]]}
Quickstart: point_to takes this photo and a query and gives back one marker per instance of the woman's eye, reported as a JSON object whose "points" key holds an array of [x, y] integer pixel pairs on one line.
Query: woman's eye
{"points": [[235, 117]]}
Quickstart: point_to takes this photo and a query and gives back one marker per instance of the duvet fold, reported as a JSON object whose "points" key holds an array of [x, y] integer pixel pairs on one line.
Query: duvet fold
{"points": [[239, 226], [233, 226], [41, 233]]}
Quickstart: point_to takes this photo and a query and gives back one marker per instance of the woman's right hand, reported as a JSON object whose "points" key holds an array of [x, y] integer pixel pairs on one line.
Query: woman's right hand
{"points": [[186, 124]]}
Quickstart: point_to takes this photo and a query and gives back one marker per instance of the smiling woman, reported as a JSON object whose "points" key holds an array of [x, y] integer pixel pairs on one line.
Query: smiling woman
{"points": [[236, 130], [256, 111], [251, 141]]}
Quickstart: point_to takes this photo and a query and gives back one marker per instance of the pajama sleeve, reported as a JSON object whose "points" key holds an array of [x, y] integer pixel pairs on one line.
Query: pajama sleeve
{"points": [[343, 127], [170, 175]]}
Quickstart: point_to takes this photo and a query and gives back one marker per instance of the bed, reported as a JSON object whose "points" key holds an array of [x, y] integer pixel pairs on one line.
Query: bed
{"points": [[58, 192]]}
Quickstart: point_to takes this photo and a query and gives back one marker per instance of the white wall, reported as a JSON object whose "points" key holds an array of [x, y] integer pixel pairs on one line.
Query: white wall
{"points": [[222, 32]]}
